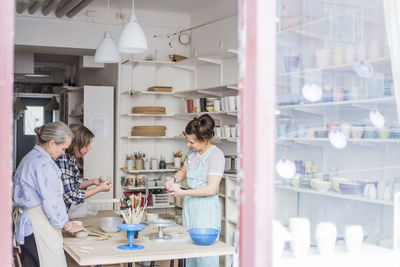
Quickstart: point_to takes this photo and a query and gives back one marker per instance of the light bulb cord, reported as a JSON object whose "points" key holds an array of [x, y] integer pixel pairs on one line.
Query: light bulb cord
{"points": [[133, 7]]}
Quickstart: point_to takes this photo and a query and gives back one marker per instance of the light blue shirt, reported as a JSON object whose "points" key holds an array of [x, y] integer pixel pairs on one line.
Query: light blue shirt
{"points": [[37, 182]]}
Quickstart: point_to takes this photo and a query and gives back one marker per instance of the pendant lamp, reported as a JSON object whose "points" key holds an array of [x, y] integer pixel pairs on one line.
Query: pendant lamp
{"points": [[53, 104], [107, 51], [132, 39]]}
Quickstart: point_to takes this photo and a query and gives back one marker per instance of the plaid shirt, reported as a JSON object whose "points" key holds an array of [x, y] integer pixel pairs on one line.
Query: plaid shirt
{"points": [[71, 179]]}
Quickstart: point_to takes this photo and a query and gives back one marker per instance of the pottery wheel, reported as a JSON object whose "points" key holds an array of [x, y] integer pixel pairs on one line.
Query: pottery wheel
{"points": [[161, 224]]}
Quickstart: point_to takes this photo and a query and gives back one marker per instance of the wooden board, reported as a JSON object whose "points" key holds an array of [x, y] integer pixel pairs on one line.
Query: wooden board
{"points": [[149, 110], [160, 89]]}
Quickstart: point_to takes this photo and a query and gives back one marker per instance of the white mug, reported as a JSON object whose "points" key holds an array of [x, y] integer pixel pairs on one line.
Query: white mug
{"points": [[154, 164], [129, 164], [300, 244], [218, 132], [217, 105], [232, 102], [222, 100], [227, 131], [233, 131], [325, 235], [147, 164], [226, 100], [177, 162], [354, 236]]}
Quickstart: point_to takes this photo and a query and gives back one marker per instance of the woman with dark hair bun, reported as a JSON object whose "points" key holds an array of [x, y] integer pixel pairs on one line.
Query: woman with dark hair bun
{"points": [[203, 171]]}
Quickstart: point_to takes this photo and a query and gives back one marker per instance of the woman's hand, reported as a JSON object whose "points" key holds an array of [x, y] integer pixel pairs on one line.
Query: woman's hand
{"points": [[105, 186], [96, 181], [168, 184], [177, 192], [73, 228]]}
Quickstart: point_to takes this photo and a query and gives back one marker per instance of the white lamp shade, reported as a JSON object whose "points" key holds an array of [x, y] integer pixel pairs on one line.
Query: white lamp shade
{"points": [[107, 51], [132, 38]]}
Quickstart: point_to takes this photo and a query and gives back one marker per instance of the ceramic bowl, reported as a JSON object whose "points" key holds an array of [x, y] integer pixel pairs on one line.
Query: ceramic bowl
{"points": [[350, 188], [110, 224], [203, 236], [337, 180], [320, 185], [357, 132], [363, 183], [294, 182]]}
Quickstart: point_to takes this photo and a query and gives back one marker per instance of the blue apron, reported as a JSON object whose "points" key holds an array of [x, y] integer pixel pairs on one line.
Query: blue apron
{"points": [[200, 212]]}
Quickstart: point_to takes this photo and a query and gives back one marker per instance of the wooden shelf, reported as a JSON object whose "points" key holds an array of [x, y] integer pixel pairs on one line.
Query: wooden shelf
{"points": [[146, 115], [216, 58], [334, 194], [156, 63], [193, 114], [76, 115], [149, 171], [142, 188], [160, 207], [219, 91], [152, 137], [383, 61], [138, 93], [313, 141]]}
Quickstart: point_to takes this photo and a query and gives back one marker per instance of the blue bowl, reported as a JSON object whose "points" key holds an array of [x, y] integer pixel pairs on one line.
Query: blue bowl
{"points": [[203, 236]]}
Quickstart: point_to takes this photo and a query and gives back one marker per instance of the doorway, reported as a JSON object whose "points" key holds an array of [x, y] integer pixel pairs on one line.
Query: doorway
{"points": [[34, 116]]}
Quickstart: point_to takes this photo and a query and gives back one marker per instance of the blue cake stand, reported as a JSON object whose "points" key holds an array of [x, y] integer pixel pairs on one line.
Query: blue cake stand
{"points": [[131, 229]]}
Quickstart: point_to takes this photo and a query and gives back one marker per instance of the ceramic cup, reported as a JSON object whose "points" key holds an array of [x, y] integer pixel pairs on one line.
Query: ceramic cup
{"points": [[325, 234], [233, 131], [218, 131], [217, 105], [129, 164], [300, 233], [226, 101], [361, 51], [177, 162], [322, 57], [227, 131], [354, 238], [232, 102], [154, 164], [338, 56], [300, 245], [222, 100], [147, 165]]}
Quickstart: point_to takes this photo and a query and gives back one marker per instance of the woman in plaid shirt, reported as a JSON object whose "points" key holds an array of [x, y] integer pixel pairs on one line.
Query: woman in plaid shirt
{"points": [[75, 187]]}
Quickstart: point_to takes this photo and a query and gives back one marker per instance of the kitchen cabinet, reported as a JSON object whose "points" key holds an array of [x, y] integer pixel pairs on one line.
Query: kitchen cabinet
{"points": [[93, 106], [337, 118]]}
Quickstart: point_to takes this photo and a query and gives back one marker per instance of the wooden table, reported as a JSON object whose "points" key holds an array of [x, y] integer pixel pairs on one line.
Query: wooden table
{"points": [[89, 251]]}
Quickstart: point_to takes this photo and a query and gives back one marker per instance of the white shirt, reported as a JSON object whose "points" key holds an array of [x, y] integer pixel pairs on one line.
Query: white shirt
{"points": [[214, 165]]}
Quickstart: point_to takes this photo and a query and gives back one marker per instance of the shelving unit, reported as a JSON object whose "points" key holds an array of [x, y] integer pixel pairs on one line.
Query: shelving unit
{"points": [[185, 68], [346, 101]]}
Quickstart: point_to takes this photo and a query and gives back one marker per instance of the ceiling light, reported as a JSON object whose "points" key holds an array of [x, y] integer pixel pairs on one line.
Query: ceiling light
{"points": [[286, 168], [132, 39], [53, 104], [337, 139], [377, 119], [312, 92], [107, 51]]}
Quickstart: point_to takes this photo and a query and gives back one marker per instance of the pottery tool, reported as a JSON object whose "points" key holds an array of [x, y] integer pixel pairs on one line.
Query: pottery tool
{"points": [[102, 238]]}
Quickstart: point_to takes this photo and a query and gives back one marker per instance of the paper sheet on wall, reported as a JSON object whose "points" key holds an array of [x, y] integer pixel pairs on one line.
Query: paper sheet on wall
{"points": [[99, 126]]}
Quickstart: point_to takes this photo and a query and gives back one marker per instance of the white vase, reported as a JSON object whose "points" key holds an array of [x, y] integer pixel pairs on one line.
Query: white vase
{"points": [[374, 49], [326, 238], [354, 238], [361, 52], [322, 58], [349, 54]]}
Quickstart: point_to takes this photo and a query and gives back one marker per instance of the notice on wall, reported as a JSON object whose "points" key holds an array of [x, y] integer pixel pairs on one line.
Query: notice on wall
{"points": [[99, 126]]}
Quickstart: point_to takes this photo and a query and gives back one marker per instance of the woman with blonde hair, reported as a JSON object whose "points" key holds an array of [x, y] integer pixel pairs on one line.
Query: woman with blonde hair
{"points": [[38, 193]]}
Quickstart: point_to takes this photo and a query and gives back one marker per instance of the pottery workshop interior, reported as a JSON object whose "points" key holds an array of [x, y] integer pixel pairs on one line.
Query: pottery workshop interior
{"points": [[213, 133]]}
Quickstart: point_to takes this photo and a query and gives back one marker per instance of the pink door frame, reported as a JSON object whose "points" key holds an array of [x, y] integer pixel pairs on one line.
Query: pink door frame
{"points": [[257, 119], [7, 11]]}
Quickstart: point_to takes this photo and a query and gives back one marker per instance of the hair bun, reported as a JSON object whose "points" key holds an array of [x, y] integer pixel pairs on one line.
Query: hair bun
{"points": [[38, 130]]}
